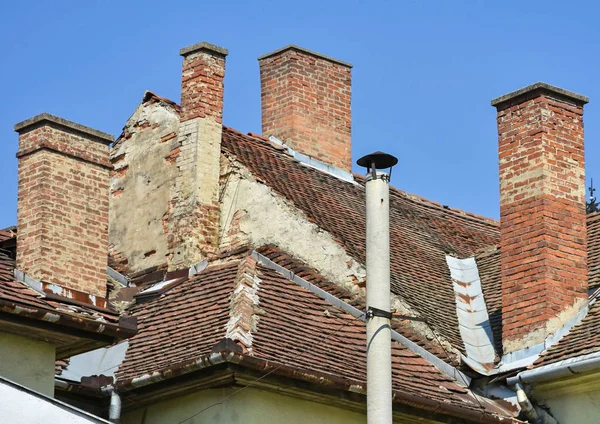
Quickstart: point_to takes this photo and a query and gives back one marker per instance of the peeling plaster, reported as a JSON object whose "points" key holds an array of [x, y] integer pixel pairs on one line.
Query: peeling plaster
{"points": [[254, 214], [141, 185], [270, 219]]}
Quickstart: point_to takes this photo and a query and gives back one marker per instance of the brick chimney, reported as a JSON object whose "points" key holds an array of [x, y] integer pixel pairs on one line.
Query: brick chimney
{"points": [[62, 237], [542, 212], [194, 216], [306, 103]]}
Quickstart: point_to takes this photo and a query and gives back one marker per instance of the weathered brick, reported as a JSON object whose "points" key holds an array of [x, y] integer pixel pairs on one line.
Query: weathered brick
{"points": [[63, 203], [542, 212], [306, 103]]}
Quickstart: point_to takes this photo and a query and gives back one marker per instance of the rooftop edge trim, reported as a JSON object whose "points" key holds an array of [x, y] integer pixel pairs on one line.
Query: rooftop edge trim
{"points": [[543, 87], [303, 50]]}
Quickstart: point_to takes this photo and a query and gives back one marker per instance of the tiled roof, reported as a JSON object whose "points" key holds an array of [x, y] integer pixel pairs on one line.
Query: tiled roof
{"points": [[293, 327], [593, 229], [488, 263], [355, 299], [183, 324], [422, 232], [584, 338], [18, 298]]}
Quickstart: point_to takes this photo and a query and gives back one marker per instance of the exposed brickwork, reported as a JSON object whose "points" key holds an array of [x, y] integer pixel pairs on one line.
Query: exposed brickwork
{"points": [[63, 207], [193, 223], [306, 104], [202, 82], [542, 214]]}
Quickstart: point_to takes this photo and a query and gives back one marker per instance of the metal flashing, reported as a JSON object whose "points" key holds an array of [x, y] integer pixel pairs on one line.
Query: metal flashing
{"points": [[117, 276], [442, 366], [473, 319], [530, 354], [314, 163], [34, 285], [199, 267]]}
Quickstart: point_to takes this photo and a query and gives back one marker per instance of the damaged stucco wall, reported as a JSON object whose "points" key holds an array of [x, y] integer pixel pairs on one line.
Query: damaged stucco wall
{"points": [[253, 214], [141, 185]]}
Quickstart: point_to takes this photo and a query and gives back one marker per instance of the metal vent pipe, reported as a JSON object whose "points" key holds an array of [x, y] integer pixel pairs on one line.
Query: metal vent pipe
{"points": [[379, 355]]}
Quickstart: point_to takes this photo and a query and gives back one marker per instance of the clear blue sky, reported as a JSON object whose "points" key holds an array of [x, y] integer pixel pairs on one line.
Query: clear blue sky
{"points": [[424, 72]]}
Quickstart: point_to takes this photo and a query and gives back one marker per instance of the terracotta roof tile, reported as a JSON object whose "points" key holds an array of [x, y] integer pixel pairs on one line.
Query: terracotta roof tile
{"points": [[184, 323], [488, 263], [294, 327], [422, 232], [355, 299], [584, 338], [593, 229]]}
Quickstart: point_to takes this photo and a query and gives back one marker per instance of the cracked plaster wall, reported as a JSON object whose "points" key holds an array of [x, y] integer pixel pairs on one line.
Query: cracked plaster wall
{"points": [[141, 186]]}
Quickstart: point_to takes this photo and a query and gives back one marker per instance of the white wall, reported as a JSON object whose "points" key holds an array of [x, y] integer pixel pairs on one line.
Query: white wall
{"points": [[27, 362], [250, 406], [20, 405]]}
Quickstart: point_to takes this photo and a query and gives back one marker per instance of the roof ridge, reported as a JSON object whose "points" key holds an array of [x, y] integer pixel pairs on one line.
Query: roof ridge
{"points": [[433, 204], [243, 304]]}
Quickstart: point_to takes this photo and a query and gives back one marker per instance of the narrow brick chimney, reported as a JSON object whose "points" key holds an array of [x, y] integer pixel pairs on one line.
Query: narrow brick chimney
{"points": [[194, 216], [306, 103], [62, 237], [542, 212]]}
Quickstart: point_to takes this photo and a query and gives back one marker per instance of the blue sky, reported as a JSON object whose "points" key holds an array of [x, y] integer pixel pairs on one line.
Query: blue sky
{"points": [[424, 72]]}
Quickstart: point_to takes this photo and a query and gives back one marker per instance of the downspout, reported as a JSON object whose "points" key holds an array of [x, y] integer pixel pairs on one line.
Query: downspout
{"points": [[114, 410], [526, 405]]}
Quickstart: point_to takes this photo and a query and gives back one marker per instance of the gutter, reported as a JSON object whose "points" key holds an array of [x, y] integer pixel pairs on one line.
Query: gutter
{"points": [[564, 368], [268, 367]]}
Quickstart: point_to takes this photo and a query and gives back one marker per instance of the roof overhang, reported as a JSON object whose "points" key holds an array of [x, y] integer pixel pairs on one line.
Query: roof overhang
{"points": [[231, 368], [71, 333]]}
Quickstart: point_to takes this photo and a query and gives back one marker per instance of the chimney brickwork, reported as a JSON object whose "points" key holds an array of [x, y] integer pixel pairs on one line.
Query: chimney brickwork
{"points": [[542, 212], [306, 104], [63, 203], [194, 207]]}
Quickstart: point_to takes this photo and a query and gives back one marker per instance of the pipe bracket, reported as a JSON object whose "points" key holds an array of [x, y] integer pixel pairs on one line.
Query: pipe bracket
{"points": [[376, 312]]}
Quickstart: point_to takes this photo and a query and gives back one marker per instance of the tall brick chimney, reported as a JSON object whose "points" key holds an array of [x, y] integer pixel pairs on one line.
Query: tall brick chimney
{"points": [[306, 103], [194, 216], [542, 212], [62, 237]]}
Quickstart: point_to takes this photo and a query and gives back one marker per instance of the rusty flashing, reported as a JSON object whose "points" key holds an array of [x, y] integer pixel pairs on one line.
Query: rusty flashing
{"points": [[305, 51], [535, 89], [126, 327], [203, 45], [61, 123]]}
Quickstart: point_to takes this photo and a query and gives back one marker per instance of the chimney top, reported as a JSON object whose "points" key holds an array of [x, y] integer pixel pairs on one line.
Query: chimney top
{"points": [[537, 88], [61, 123], [203, 45], [303, 50]]}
